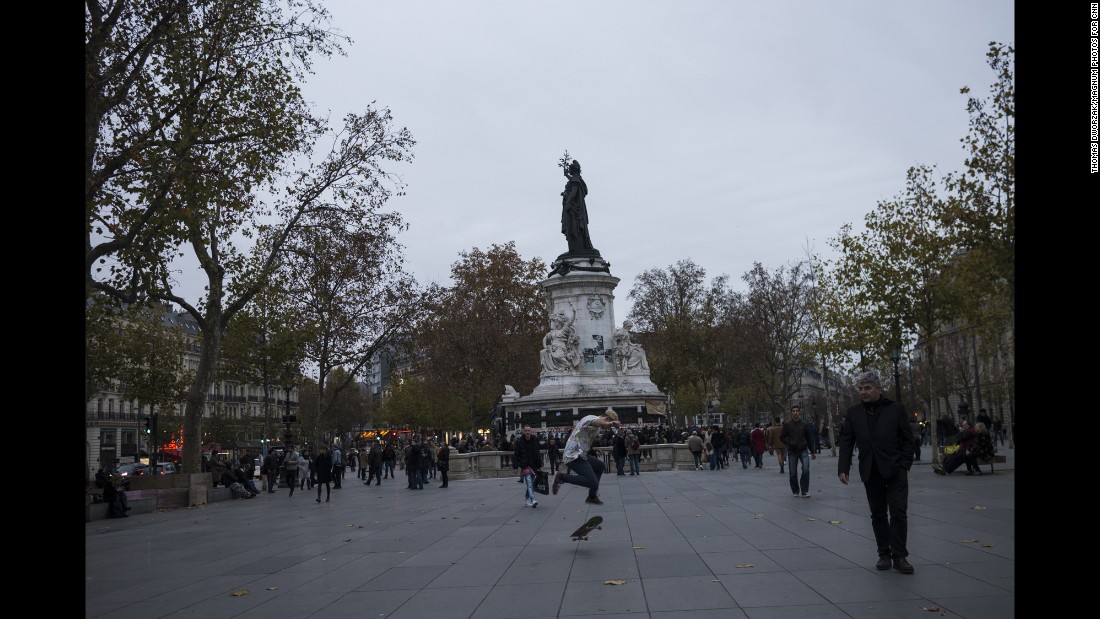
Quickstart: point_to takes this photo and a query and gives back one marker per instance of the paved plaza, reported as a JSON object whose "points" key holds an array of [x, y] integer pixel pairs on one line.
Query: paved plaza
{"points": [[698, 544]]}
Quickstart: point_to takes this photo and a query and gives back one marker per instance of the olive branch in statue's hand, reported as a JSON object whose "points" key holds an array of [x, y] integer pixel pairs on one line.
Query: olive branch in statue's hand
{"points": [[565, 160]]}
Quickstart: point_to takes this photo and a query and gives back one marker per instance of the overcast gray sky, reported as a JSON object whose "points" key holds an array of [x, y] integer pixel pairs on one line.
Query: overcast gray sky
{"points": [[722, 131]]}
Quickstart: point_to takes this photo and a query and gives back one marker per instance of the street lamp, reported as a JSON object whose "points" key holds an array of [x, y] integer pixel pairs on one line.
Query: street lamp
{"points": [[895, 356], [288, 418]]}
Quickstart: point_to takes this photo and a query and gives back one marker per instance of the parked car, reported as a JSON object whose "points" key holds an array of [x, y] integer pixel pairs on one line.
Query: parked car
{"points": [[129, 471], [166, 468], [132, 470]]}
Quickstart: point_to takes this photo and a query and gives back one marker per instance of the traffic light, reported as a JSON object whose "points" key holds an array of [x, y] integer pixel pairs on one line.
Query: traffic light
{"points": [[148, 428]]}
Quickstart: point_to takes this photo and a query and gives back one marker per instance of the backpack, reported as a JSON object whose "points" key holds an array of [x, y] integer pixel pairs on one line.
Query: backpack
{"points": [[634, 444]]}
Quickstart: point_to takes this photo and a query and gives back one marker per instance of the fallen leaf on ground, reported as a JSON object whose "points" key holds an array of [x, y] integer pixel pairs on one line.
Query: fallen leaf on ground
{"points": [[614, 582], [969, 541], [716, 580], [272, 588], [811, 519], [744, 565], [638, 547], [978, 507], [758, 516], [239, 592], [348, 539], [987, 545], [834, 522], [931, 609]]}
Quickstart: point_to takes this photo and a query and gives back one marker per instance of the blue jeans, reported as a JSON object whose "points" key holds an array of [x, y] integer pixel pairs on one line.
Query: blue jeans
{"points": [[588, 471], [529, 482], [799, 482], [715, 460], [634, 463]]}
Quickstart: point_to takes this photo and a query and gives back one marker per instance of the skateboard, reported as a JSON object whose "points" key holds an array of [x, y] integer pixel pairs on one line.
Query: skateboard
{"points": [[586, 528]]}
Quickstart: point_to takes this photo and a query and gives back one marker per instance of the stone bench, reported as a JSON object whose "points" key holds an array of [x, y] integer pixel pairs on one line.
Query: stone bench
{"points": [[996, 459]]}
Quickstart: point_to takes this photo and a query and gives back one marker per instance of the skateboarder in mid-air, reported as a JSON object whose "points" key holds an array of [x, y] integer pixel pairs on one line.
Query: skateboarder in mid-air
{"points": [[585, 471]]}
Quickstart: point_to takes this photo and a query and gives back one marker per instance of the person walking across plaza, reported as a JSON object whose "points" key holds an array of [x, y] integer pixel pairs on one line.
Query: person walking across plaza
{"points": [[442, 462], [553, 452], [758, 445], [771, 439], [527, 458], [293, 459], [695, 446], [881, 430], [364, 463], [633, 452], [412, 466], [586, 471], [305, 482], [389, 461], [796, 437], [618, 452], [337, 466], [375, 462], [324, 467], [717, 448], [271, 470]]}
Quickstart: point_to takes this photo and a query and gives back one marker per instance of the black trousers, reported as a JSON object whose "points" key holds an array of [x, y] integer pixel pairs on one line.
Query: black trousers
{"points": [[889, 500]]}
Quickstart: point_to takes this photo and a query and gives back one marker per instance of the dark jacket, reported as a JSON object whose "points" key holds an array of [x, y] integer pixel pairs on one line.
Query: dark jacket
{"points": [[889, 447], [527, 453], [412, 459], [271, 463], [618, 446], [374, 458], [322, 465], [718, 441], [795, 435]]}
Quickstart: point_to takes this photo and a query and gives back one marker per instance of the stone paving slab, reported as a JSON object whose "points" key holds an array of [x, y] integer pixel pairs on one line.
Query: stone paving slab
{"points": [[731, 543]]}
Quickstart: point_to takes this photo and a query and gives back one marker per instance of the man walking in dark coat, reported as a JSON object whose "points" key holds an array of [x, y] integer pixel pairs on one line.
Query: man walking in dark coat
{"points": [[881, 430], [796, 438]]}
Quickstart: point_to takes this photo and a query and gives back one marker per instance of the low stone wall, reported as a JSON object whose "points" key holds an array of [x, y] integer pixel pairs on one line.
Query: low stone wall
{"points": [[153, 492], [488, 464]]}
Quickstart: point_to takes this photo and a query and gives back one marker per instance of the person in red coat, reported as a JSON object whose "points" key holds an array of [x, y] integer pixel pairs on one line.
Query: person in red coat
{"points": [[758, 445]]}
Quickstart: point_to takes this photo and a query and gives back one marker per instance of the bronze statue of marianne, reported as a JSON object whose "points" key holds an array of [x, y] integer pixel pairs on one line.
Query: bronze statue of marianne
{"points": [[574, 213]]}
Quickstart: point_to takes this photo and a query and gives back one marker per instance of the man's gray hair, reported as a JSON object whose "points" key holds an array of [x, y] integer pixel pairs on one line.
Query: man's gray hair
{"points": [[869, 377]]}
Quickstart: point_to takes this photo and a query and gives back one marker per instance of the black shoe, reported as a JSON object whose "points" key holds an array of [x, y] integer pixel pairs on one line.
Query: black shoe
{"points": [[318, 499], [558, 478], [901, 565], [938, 469], [443, 486], [593, 500], [883, 562]]}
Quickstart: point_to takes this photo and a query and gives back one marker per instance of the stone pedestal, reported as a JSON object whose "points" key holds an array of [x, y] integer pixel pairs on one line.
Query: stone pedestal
{"points": [[585, 284]]}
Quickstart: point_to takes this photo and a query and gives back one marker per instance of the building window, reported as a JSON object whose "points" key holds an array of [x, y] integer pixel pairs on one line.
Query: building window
{"points": [[107, 437], [99, 406]]}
